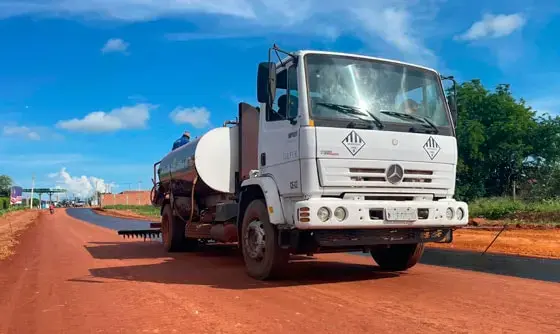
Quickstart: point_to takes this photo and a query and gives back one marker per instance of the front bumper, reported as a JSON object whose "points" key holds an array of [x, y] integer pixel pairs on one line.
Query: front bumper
{"points": [[364, 214]]}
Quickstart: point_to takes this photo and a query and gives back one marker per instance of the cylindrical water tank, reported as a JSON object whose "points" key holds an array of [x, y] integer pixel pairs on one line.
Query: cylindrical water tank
{"points": [[214, 156]]}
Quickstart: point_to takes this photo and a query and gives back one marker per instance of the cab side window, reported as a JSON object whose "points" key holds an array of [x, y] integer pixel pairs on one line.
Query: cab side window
{"points": [[285, 104]]}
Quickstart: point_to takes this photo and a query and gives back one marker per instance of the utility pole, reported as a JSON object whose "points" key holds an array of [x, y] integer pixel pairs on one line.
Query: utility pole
{"points": [[32, 188], [139, 183], [115, 196]]}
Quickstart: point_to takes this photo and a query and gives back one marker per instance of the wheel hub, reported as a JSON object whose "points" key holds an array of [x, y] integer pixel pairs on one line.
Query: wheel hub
{"points": [[255, 240]]}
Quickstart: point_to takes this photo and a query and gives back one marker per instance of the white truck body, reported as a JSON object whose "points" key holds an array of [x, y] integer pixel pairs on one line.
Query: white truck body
{"points": [[342, 169]]}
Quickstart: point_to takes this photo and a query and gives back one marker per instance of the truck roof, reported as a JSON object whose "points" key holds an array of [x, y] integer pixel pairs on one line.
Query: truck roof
{"points": [[304, 52]]}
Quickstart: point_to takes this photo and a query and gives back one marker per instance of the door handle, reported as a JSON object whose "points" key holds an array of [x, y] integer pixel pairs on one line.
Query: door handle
{"points": [[263, 159]]}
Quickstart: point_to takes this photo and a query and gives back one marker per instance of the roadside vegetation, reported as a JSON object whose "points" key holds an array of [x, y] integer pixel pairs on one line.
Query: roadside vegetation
{"points": [[144, 210], [11, 209], [508, 211], [5, 206], [509, 156], [506, 149]]}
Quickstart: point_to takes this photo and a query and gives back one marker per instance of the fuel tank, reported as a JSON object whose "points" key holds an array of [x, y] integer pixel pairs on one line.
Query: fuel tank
{"points": [[214, 156]]}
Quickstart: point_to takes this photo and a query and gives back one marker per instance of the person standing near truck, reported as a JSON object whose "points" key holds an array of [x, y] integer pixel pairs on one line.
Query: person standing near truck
{"points": [[181, 141]]}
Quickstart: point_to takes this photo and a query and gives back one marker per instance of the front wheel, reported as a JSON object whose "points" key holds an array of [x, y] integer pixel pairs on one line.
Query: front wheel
{"points": [[398, 257], [264, 259]]}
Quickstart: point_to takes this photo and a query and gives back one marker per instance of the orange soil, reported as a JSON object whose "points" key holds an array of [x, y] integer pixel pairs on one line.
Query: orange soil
{"points": [[12, 225], [68, 276], [538, 243]]}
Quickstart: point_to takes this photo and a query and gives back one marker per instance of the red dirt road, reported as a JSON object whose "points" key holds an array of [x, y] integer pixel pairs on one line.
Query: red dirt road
{"points": [[69, 276]]}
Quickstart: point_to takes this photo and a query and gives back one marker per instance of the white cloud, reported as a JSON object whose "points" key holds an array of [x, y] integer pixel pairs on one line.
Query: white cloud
{"points": [[546, 105], [396, 27], [493, 26], [128, 117], [115, 45], [124, 10], [20, 131], [199, 117], [82, 186]]}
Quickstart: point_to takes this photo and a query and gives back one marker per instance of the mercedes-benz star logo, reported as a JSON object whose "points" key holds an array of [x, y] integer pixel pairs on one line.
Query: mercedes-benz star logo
{"points": [[394, 174]]}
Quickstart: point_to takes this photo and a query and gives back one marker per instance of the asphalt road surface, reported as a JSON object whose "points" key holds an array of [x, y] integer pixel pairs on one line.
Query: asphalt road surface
{"points": [[70, 276]]}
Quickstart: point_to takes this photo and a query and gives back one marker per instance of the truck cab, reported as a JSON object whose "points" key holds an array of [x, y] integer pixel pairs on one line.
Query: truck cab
{"points": [[355, 153]]}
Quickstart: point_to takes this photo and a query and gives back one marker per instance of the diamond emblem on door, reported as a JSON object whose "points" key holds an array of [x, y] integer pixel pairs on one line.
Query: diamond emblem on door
{"points": [[353, 143]]}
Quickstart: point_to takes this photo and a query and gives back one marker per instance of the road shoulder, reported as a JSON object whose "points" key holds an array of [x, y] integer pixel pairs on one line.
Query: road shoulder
{"points": [[12, 227]]}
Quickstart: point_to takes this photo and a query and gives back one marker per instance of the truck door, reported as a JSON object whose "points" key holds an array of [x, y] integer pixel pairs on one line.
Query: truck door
{"points": [[279, 137]]}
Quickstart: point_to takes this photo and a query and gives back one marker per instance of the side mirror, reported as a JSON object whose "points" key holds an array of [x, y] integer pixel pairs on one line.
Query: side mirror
{"points": [[266, 82], [451, 100]]}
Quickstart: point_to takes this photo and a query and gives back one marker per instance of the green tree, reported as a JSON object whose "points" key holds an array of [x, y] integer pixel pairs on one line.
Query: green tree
{"points": [[5, 185], [500, 140]]}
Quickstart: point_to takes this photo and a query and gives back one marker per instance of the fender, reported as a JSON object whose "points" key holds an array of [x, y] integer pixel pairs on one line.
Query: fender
{"points": [[271, 196]]}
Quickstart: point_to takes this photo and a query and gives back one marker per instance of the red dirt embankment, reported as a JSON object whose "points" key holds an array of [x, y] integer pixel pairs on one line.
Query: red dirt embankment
{"points": [[528, 242], [12, 225]]}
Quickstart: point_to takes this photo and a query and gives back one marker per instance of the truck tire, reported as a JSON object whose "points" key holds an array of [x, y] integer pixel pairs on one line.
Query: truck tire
{"points": [[398, 257], [264, 259], [173, 233]]}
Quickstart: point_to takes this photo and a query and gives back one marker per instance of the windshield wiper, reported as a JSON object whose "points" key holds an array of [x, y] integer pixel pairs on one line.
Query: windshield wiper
{"points": [[353, 110], [424, 120]]}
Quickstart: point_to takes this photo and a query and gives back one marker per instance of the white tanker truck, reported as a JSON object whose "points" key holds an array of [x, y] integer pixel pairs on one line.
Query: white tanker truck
{"points": [[344, 153]]}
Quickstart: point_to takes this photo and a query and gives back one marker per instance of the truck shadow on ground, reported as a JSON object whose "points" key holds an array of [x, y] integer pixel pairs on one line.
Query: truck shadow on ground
{"points": [[219, 256], [219, 267]]}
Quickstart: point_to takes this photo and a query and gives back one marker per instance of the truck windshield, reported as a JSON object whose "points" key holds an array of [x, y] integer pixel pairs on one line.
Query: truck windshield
{"points": [[345, 90]]}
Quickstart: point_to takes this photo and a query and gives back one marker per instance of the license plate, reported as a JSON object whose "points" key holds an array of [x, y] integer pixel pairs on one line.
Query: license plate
{"points": [[401, 214]]}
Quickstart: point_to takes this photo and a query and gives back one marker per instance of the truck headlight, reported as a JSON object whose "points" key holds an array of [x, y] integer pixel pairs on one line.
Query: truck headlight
{"points": [[449, 213], [340, 213], [324, 214], [460, 213]]}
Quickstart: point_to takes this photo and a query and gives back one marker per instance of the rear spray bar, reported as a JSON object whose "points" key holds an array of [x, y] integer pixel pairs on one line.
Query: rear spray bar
{"points": [[152, 233]]}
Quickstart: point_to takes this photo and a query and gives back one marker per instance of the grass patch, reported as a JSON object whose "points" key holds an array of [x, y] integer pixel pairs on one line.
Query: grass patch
{"points": [[501, 208], [144, 210], [11, 209]]}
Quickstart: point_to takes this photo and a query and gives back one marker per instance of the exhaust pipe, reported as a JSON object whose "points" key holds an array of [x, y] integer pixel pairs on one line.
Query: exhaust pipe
{"points": [[224, 233]]}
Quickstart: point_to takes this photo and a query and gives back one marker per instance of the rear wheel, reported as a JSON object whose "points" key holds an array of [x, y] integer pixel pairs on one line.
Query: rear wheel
{"points": [[264, 259], [173, 233], [398, 257]]}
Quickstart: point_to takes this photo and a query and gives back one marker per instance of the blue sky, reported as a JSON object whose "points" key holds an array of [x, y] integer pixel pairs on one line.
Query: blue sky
{"points": [[96, 91]]}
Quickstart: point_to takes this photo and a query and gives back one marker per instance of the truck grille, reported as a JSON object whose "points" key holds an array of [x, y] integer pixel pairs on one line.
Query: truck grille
{"points": [[378, 175], [372, 173]]}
